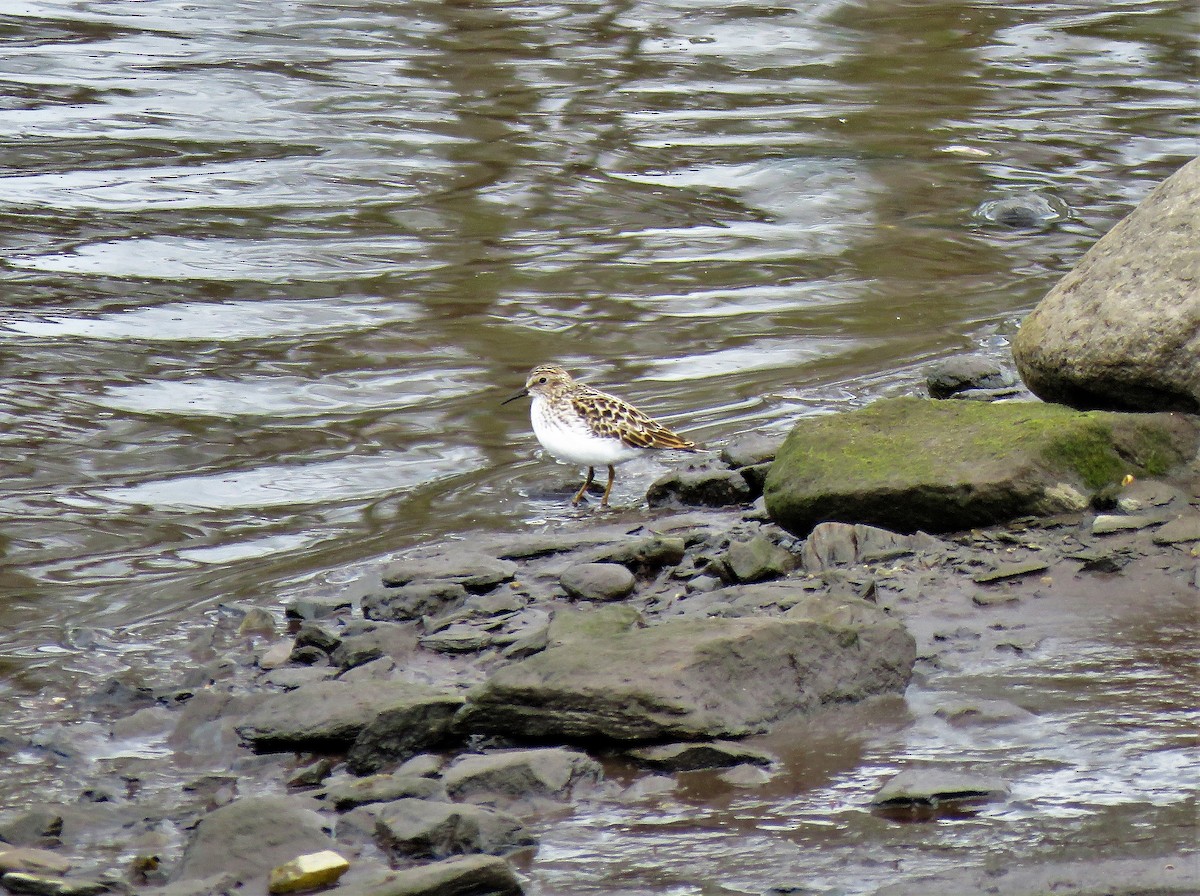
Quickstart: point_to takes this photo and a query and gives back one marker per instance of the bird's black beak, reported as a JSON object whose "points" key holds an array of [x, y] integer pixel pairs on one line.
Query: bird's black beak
{"points": [[520, 394]]}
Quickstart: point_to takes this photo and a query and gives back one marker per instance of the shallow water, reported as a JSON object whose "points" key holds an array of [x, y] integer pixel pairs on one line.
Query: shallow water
{"points": [[268, 269]]}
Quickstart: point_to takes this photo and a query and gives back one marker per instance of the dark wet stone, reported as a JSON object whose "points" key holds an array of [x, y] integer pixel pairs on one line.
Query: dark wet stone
{"points": [[700, 486], [428, 829], [382, 788], [476, 573], [756, 479], [751, 449], [407, 602], [757, 560], [373, 640], [964, 373], [399, 732], [312, 634], [688, 757], [330, 714], [251, 836], [308, 656], [550, 773], [459, 638], [643, 555], [597, 581], [317, 607], [467, 876]]}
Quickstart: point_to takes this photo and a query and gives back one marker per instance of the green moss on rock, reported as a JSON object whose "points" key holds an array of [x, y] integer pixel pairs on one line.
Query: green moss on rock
{"points": [[909, 464]]}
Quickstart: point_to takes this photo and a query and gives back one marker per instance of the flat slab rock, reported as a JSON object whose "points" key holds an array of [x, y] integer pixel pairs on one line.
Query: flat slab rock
{"points": [[697, 679], [909, 465], [332, 714]]}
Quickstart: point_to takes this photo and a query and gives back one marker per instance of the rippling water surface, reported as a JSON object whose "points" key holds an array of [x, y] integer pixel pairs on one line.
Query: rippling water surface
{"points": [[267, 269]]}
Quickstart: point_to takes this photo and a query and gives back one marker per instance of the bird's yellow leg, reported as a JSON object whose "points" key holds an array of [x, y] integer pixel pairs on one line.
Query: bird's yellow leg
{"points": [[583, 488], [612, 474]]}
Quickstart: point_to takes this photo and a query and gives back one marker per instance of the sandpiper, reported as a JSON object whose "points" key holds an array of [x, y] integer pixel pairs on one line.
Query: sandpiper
{"points": [[582, 425]]}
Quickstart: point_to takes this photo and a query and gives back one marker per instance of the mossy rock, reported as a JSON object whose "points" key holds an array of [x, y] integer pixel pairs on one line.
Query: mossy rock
{"points": [[910, 464]]}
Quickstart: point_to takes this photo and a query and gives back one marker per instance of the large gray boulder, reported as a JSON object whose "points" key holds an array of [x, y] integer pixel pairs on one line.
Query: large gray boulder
{"points": [[697, 679], [1122, 329], [909, 464]]}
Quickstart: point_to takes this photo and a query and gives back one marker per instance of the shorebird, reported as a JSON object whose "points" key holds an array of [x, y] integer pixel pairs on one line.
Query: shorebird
{"points": [[581, 425]]}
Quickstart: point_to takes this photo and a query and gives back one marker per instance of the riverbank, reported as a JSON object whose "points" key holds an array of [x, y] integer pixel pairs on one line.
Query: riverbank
{"points": [[1047, 714]]}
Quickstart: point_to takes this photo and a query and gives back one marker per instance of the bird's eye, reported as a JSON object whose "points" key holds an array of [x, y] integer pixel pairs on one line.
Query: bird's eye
{"points": [[542, 380]]}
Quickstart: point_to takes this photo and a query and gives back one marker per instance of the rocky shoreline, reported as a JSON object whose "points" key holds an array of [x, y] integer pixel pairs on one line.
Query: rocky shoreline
{"points": [[415, 734]]}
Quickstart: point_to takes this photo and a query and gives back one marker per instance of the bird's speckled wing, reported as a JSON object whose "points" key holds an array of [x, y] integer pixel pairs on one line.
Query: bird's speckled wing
{"points": [[609, 416]]}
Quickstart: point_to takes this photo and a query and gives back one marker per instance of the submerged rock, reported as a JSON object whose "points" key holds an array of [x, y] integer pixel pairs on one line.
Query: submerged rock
{"points": [[407, 602], [696, 679], [1122, 329], [911, 464], [689, 757]]}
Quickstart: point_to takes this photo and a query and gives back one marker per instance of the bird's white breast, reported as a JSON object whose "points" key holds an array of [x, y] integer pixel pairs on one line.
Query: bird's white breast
{"points": [[567, 438]]}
